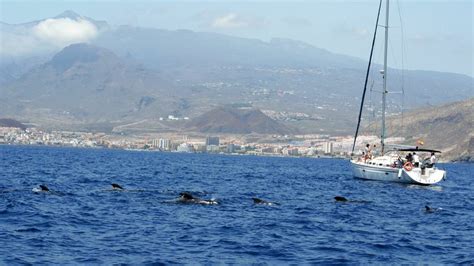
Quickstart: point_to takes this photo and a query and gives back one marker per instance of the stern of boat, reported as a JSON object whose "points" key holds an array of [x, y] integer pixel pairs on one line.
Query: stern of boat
{"points": [[427, 176]]}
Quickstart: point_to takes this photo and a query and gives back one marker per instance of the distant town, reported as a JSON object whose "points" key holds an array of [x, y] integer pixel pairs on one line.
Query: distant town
{"points": [[313, 145]]}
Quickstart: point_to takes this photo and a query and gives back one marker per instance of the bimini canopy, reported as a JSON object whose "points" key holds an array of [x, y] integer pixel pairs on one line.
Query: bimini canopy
{"points": [[419, 150], [399, 147]]}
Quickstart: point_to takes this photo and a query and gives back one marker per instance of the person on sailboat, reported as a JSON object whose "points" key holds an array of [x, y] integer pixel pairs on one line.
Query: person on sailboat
{"points": [[399, 162], [409, 157], [374, 151], [432, 160], [416, 160], [368, 152]]}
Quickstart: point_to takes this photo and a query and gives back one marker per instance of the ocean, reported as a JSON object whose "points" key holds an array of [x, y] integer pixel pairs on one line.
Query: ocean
{"points": [[83, 221]]}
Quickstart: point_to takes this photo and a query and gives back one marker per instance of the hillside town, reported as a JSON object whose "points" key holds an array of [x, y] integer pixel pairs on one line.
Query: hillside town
{"points": [[313, 145]]}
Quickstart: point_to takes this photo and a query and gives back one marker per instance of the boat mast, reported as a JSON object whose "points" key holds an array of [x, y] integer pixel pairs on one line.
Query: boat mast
{"points": [[384, 92], [366, 79]]}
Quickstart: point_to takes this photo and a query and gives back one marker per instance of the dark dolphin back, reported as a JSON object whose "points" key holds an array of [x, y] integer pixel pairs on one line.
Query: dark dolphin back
{"points": [[114, 185], [186, 196], [340, 198], [257, 200]]}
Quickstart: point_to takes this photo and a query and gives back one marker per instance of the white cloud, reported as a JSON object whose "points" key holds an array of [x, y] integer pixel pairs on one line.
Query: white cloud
{"points": [[65, 31], [230, 20], [360, 32], [47, 36]]}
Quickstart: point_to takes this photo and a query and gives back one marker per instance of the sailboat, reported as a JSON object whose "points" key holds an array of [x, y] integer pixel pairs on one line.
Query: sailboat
{"points": [[391, 164]]}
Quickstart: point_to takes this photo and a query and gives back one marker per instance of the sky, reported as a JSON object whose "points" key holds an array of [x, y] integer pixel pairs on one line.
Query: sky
{"points": [[427, 35]]}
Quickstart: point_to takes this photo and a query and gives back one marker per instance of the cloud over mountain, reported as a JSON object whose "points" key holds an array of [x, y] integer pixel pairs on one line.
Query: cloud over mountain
{"points": [[65, 31], [48, 35], [235, 21], [230, 20]]}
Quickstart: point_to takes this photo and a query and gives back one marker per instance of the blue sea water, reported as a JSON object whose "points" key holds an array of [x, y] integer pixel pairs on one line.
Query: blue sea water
{"points": [[82, 221]]}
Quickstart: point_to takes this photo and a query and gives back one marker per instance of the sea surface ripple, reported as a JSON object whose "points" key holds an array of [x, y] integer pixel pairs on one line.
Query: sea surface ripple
{"points": [[82, 221]]}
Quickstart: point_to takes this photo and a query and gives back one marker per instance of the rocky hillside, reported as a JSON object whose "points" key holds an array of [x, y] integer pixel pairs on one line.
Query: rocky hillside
{"points": [[7, 122], [449, 128], [237, 121], [84, 83]]}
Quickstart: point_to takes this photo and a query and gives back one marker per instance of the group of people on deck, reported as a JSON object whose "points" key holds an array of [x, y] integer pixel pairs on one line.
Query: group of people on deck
{"points": [[368, 152], [414, 159]]}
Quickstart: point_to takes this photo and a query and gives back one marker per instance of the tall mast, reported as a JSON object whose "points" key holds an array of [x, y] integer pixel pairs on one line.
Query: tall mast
{"points": [[384, 93], [366, 78]]}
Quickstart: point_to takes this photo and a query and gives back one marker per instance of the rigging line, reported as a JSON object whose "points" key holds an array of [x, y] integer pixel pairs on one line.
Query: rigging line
{"points": [[372, 115], [392, 56], [402, 41], [403, 65], [370, 105], [398, 77], [367, 77]]}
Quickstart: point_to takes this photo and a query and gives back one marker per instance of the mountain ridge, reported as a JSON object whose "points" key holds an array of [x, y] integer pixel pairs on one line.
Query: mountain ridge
{"points": [[142, 74]]}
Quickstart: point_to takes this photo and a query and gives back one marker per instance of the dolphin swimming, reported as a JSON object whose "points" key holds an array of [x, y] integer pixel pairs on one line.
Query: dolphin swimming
{"points": [[429, 209], [344, 199], [41, 188], [340, 198], [117, 186], [263, 202], [186, 197]]}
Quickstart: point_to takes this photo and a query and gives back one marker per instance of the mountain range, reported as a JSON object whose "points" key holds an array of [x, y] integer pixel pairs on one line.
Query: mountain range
{"points": [[127, 74]]}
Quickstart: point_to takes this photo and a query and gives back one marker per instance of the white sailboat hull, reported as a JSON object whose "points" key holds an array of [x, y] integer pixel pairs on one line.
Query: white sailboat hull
{"points": [[388, 166], [428, 176]]}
